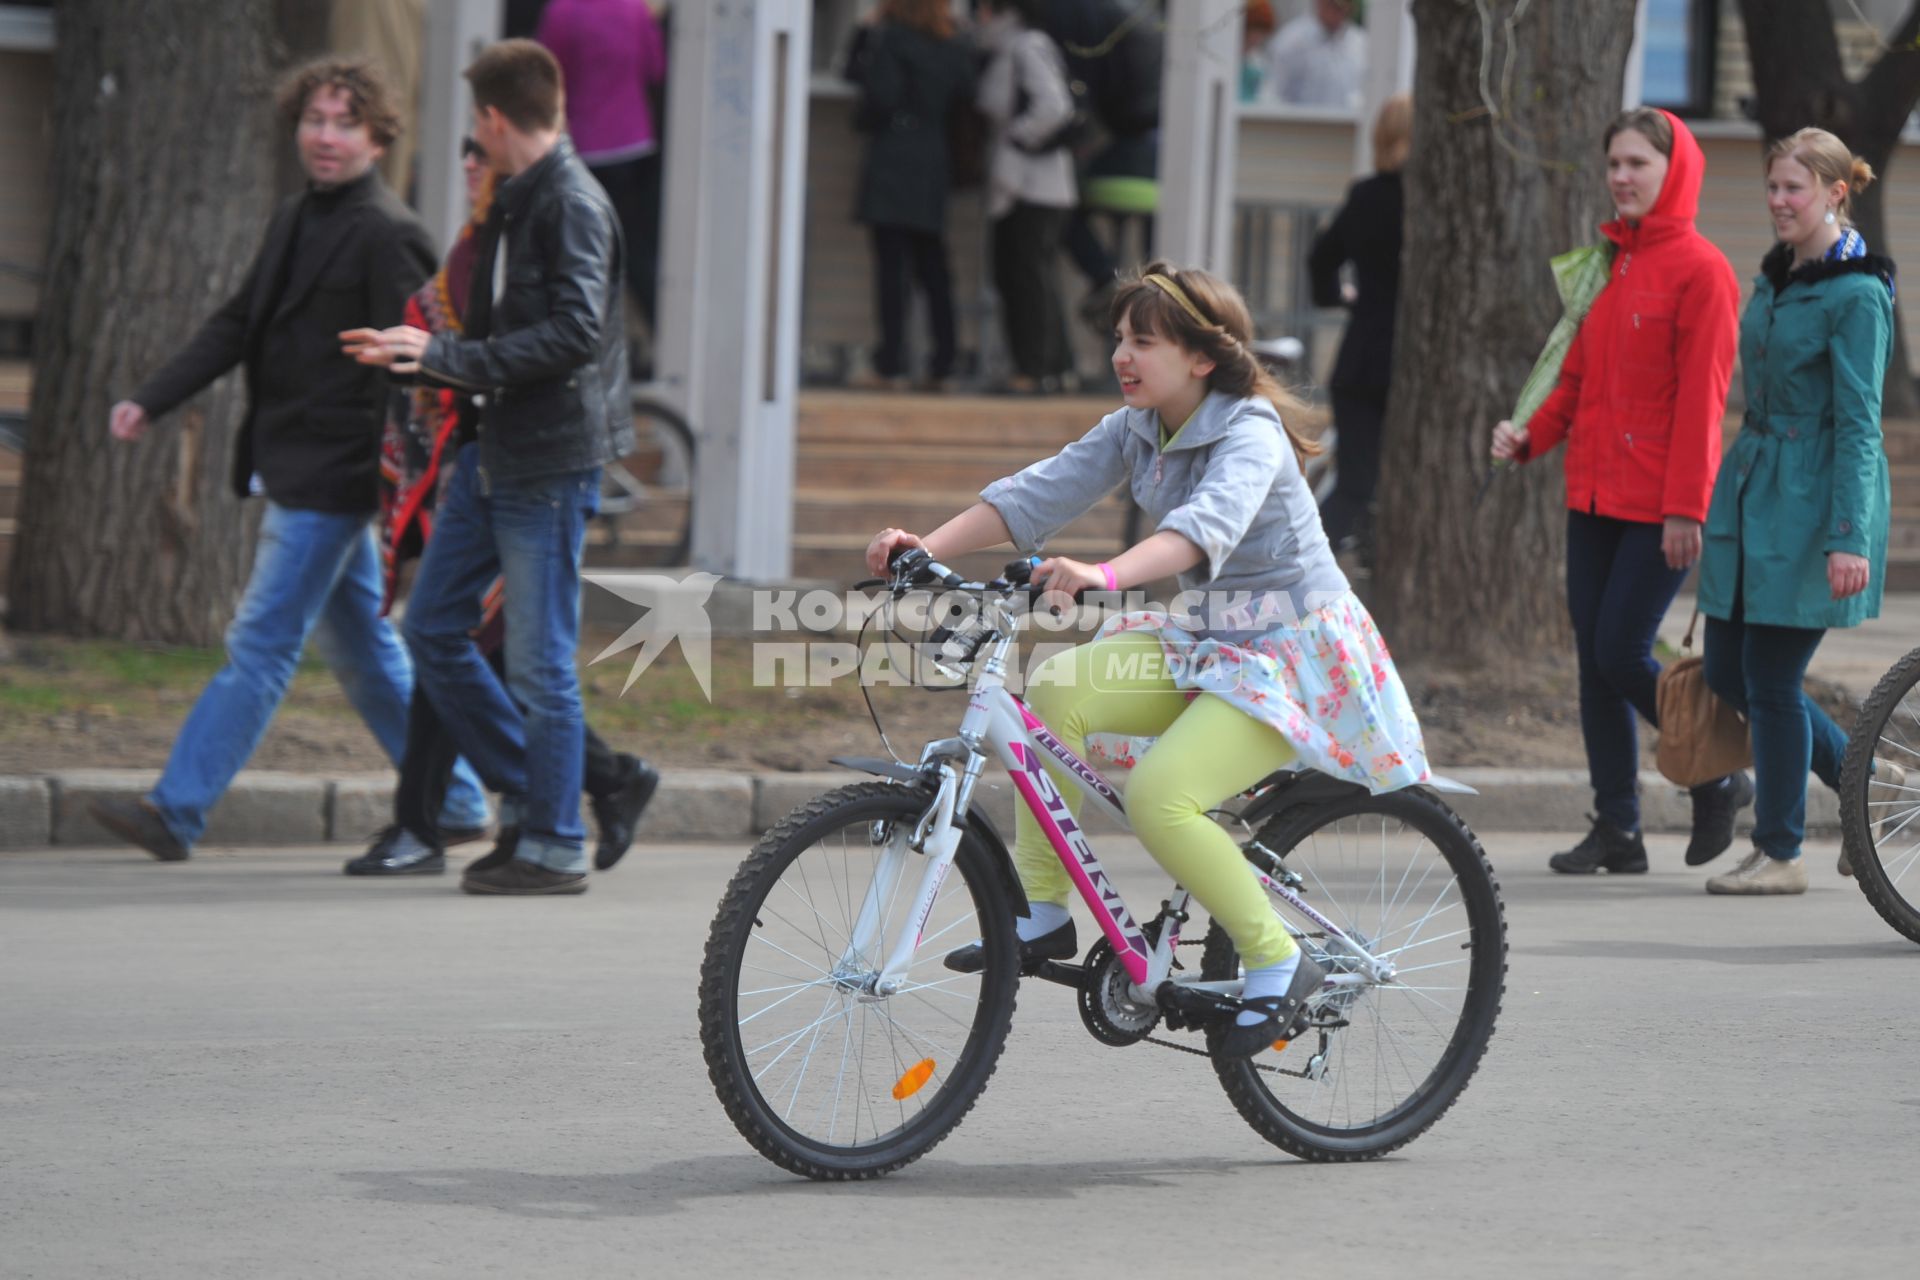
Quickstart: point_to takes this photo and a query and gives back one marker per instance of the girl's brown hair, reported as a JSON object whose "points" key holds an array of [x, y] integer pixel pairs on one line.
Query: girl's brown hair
{"points": [[1223, 333], [935, 17], [1828, 159], [1649, 122]]}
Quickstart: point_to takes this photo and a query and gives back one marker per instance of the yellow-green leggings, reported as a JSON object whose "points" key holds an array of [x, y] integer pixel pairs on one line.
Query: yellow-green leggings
{"points": [[1208, 751]]}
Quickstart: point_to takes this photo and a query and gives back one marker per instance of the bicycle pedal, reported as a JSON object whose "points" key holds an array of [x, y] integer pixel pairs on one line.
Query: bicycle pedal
{"points": [[1067, 975]]}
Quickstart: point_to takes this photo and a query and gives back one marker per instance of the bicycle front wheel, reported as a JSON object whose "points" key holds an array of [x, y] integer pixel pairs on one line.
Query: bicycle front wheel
{"points": [[822, 1071], [1880, 797], [1406, 879]]}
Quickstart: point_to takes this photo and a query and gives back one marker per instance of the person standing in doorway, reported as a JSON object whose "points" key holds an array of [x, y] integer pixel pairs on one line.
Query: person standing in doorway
{"points": [[1366, 233], [913, 74], [1030, 185]]}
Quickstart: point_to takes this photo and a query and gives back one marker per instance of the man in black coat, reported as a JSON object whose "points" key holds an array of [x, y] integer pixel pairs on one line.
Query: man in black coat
{"points": [[341, 253], [544, 343]]}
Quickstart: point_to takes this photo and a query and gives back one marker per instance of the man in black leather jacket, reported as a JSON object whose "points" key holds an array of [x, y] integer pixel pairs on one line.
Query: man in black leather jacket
{"points": [[543, 350]]}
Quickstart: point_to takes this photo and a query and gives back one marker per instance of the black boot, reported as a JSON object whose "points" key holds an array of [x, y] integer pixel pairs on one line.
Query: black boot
{"points": [[1715, 806], [1606, 848]]}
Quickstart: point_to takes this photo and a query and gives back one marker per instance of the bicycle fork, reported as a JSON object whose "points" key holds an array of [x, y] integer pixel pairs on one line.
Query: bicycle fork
{"points": [[936, 838]]}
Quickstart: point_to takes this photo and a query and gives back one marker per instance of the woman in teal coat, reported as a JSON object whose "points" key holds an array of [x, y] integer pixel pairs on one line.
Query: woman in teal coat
{"points": [[1796, 538]]}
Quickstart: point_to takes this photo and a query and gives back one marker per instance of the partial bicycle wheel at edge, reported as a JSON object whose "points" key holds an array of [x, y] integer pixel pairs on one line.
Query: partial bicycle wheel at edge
{"points": [[821, 1073], [1879, 804], [1403, 876]]}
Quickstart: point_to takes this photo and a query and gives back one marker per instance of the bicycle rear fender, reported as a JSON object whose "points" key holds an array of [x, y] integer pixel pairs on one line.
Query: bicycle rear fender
{"points": [[1291, 789], [979, 825]]}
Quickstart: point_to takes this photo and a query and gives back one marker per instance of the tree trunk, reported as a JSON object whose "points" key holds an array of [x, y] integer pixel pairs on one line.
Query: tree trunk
{"points": [[163, 169], [1799, 81], [1493, 191]]}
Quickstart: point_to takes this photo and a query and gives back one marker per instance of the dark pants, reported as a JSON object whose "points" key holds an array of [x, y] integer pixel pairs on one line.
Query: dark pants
{"points": [[1618, 590], [426, 769], [895, 251], [1133, 156], [634, 188], [1759, 671], [523, 737], [1026, 243], [1348, 509]]}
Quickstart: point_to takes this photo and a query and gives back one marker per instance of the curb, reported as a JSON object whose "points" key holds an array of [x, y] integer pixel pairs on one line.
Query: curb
{"points": [[265, 808]]}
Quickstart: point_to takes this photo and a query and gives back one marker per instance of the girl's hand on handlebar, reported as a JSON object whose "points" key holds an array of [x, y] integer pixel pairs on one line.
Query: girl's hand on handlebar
{"points": [[1064, 579], [1508, 444], [885, 543]]}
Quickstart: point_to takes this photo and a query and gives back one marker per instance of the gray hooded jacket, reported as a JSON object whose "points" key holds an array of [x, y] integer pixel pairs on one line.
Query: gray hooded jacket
{"points": [[1229, 483]]}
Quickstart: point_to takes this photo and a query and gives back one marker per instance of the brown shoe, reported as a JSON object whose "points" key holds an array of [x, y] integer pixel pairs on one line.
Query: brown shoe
{"points": [[520, 878], [138, 822], [499, 855]]}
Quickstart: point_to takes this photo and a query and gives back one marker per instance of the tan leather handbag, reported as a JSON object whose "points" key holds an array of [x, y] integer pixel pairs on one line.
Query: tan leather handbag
{"points": [[1701, 737]]}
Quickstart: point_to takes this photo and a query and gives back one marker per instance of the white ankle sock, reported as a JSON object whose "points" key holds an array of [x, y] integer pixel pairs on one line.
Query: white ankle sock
{"points": [[1271, 980], [1041, 919]]}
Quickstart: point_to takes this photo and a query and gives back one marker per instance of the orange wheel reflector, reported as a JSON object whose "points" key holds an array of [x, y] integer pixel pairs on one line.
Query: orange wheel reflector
{"points": [[910, 1083], [1280, 1046]]}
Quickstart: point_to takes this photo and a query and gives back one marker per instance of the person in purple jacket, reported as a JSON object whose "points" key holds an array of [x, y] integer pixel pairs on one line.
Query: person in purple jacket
{"points": [[613, 57]]}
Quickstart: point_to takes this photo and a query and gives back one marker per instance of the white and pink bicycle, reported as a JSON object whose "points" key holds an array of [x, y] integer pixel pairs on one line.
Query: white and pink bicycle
{"points": [[842, 1047]]}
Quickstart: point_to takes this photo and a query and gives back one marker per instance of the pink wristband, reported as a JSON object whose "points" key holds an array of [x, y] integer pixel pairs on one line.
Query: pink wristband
{"points": [[1107, 569]]}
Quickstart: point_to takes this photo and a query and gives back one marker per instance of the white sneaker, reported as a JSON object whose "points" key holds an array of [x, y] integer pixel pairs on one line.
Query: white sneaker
{"points": [[1758, 873]]}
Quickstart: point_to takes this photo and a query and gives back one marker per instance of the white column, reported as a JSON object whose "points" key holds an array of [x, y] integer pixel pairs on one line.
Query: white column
{"points": [[1389, 71], [730, 270], [457, 30], [1199, 123], [1634, 82]]}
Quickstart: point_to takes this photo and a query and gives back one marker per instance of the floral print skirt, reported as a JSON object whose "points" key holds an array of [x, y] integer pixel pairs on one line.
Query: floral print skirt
{"points": [[1326, 683]]}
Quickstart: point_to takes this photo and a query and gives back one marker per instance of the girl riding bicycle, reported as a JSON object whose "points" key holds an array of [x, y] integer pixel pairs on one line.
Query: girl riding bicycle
{"points": [[1284, 667]]}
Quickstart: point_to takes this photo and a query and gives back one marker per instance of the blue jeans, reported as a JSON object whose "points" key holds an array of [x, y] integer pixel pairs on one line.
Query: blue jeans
{"points": [[531, 532], [1759, 670], [315, 573], [1618, 590]]}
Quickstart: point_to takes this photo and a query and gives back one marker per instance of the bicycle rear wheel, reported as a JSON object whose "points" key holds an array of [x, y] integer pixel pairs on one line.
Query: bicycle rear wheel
{"points": [[824, 1075], [1880, 797], [1408, 881]]}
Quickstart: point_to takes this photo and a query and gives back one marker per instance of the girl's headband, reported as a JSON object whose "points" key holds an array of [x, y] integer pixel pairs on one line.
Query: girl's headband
{"points": [[1179, 295]]}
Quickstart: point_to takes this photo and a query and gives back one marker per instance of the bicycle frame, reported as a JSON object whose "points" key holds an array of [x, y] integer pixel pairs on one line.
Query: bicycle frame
{"points": [[996, 720]]}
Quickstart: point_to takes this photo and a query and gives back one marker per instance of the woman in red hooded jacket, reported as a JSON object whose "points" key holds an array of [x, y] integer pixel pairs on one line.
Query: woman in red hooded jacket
{"points": [[1639, 404]]}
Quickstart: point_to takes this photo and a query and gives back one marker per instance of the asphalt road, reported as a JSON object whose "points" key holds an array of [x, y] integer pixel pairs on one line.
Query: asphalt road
{"points": [[252, 1066]]}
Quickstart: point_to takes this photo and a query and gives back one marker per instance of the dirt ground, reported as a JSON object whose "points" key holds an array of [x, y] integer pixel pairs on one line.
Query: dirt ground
{"points": [[80, 704]]}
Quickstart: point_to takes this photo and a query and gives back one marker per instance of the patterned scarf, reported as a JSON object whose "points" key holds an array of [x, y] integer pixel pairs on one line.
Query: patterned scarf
{"points": [[1852, 244]]}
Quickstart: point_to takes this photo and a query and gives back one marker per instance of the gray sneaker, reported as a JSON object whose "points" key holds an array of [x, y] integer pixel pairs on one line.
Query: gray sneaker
{"points": [[1759, 874]]}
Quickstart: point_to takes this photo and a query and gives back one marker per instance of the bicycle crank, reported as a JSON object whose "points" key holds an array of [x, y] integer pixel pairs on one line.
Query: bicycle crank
{"points": [[1106, 1000]]}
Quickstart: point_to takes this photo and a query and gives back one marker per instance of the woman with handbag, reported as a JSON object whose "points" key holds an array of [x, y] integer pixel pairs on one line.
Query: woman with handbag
{"points": [[1639, 399], [1796, 538]]}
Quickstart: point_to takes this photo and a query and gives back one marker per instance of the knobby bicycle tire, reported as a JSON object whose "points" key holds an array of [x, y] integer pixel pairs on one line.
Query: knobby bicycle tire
{"points": [[1856, 812], [743, 910], [1249, 1087]]}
